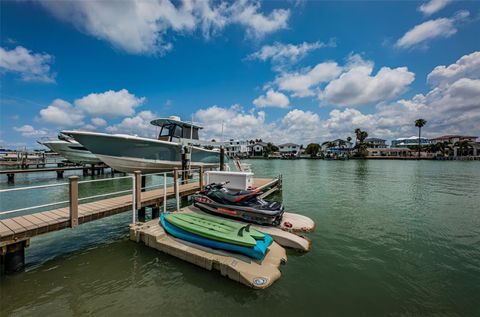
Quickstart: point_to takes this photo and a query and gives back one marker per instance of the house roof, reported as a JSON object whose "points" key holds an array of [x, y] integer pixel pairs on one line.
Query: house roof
{"points": [[410, 138], [289, 144], [374, 140], [453, 136]]}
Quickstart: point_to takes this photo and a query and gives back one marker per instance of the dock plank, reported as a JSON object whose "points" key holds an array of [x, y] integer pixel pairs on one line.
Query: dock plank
{"points": [[25, 223], [5, 231], [14, 226]]}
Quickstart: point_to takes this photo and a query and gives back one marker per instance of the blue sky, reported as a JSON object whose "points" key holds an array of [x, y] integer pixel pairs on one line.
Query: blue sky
{"points": [[280, 71]]}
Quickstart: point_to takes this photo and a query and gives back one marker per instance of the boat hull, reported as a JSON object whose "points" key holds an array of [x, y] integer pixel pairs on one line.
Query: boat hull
{"points": [[129, 153], [72, 152]]}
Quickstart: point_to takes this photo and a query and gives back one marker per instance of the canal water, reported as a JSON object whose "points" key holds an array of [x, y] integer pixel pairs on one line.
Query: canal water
{"points": [[393, 238]]}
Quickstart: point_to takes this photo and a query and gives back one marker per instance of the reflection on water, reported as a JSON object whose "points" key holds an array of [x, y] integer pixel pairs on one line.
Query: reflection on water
{"points": [[393, 238]]}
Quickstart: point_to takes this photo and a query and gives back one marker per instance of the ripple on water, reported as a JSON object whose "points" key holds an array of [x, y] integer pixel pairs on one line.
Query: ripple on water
{"points": [[393, 238]]}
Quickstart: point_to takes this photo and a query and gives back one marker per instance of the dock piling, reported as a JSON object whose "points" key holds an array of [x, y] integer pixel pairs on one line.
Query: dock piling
{"points": [[155, 212], [200, 177], [164, 192], [222, 158], [73, 190], [141, 210], [12, 257]]}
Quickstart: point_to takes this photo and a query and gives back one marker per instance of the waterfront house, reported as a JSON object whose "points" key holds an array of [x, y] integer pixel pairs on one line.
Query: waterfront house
{"points": [[289, 148], [453, 138], [258, 149], [392, 153], [376, 143], [337, 148], [409, 142], [337, 145], [456, 146], [236, 148]]}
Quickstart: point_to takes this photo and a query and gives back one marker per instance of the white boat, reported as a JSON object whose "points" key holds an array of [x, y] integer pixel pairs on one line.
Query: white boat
{"points": [[70, 149], [128, 153]]}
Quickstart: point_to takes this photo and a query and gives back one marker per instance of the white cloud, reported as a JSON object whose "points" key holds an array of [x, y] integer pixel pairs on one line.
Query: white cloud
{"points": [[449, 109], [138, 125], [110, 103], [429, 30], [29, 131], [99, 122], [280, 53], [296, 126], [357, 86], [301, 83], [145, 25], [247, 13], [61, 113], [30, 66], [272, 99], [236, 122], [433, 6], [467, 66], [349, 85]]}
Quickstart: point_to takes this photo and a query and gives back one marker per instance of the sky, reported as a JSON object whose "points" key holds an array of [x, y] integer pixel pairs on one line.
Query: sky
{"points": [[291, 71]]}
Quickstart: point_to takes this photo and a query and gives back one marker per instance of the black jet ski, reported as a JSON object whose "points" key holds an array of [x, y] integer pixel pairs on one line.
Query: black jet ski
{"points": [[245, 205]]}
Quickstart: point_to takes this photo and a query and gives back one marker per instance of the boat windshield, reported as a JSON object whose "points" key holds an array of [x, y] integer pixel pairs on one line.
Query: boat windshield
{"points": [[170, 132]]}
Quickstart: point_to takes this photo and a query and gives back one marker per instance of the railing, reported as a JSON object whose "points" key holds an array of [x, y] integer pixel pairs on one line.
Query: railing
{"points": [[136, 189]]}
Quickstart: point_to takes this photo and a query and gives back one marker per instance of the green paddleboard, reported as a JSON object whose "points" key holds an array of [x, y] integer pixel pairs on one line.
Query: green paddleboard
{"points": [[253, 232], [215, 228]]}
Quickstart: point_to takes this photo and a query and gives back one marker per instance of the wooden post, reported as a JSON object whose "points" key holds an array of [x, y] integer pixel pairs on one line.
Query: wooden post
{"points": [[11, 178], [73, 188], [138, 186], [175, 178], [200, 177], [155, 211], [177, 195], [141, 210], [164, 192], [222, 158]]}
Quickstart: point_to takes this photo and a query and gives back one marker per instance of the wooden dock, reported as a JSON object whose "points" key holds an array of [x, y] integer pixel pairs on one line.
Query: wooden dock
{"points": [[59, 170], [15, 232]]}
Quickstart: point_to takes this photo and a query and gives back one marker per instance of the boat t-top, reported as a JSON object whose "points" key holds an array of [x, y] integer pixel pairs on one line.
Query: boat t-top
{"points": [[128, 153]]}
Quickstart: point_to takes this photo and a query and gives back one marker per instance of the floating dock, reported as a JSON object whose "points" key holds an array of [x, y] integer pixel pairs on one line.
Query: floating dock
{"points": [[240, 268]]}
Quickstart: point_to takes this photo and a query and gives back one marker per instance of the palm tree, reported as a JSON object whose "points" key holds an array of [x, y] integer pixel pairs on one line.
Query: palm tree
{"points": [[463, 146], [357, 134], [419, 123]]}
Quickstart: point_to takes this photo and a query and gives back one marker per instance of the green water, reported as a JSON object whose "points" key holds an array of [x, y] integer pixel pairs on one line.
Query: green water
{"points": [[393, 238]]}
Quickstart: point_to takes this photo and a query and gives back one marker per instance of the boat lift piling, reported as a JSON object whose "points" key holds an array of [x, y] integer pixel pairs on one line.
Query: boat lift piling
{"points": [[222, 158]]}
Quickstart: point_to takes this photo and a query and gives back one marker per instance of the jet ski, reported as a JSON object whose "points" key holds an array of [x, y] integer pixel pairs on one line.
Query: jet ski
{"points": [[245, 205]]}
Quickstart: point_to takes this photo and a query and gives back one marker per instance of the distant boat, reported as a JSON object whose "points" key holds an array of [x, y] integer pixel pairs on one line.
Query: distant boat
{"points": [[128, 153], [70, 149]]}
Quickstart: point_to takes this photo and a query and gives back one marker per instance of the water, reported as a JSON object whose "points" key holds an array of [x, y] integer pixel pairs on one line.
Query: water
{"points": [[393, 238]]}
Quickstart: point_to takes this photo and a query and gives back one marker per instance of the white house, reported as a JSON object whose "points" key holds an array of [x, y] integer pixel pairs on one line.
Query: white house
{"points": [[257, 149], [235, 147], [339, 144], [289, 148]]}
